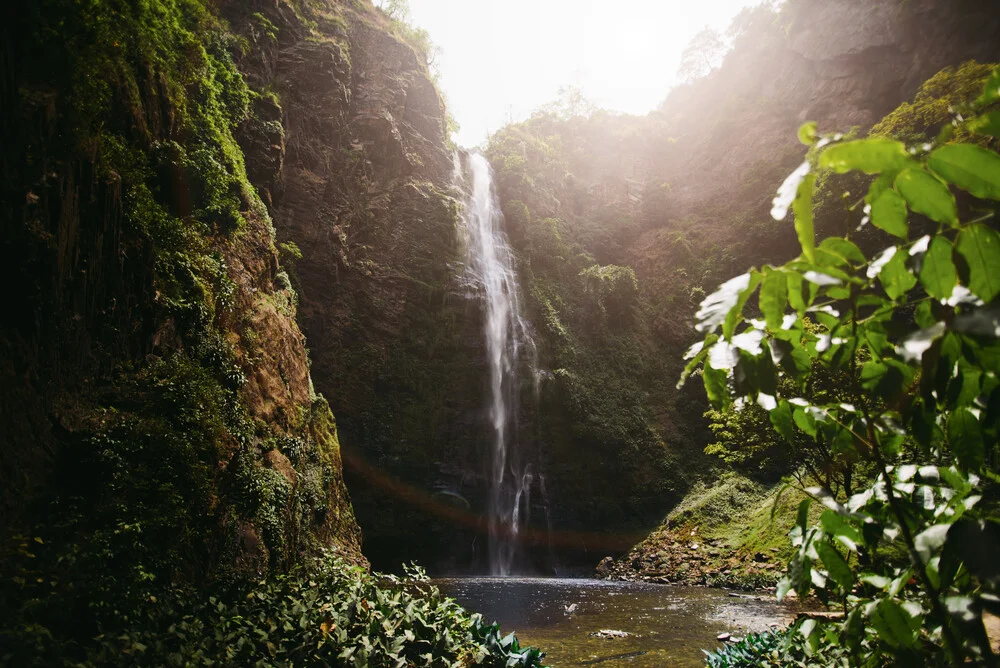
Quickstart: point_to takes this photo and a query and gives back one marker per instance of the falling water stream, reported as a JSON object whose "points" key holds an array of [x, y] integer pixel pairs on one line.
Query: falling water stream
{"points": [[509, 349]]}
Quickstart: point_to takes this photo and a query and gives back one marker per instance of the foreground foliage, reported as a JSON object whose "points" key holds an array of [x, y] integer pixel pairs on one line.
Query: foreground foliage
{"points": [[331, 613], [776, 648], [912, 333]]}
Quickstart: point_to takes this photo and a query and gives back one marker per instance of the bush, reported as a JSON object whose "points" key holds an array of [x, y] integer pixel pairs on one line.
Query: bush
{"points": [[327, 614], [913, 333], [774, 648]]}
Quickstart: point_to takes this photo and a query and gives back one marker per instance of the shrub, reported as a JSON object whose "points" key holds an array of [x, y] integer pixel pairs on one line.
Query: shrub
{"points": [[327, 614], [914, 333]]}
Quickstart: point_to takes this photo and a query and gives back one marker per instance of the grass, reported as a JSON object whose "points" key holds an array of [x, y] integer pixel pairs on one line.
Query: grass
{"points": [[744, 522]]}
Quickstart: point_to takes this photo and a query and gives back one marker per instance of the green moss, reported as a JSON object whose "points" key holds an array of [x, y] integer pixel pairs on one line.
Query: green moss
{"points": [[263, 495], [745, 518], [160, 479], [935, 104], [614, 289]]}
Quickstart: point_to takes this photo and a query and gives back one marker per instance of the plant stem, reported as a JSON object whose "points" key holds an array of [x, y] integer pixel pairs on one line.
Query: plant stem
{"points": [[951, 643]]}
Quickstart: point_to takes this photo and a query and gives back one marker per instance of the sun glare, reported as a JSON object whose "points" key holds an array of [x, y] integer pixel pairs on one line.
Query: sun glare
{"points": [[499, 61]]}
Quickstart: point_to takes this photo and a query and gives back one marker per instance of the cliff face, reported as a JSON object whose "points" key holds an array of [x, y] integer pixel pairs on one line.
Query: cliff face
{"points": [[351, 156], [682, 197], [843, 64], [359, 178], [157, 418]]}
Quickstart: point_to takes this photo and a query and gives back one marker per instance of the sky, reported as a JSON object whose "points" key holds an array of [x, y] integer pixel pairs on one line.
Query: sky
{"points": [[500, 60]]}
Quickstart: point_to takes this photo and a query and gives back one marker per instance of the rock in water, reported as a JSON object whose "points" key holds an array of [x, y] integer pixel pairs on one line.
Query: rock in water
{"points": [[610, 633]]}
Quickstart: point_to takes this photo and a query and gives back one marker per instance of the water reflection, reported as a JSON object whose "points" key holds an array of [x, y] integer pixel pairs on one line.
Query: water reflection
{"points": [[666, 625]]}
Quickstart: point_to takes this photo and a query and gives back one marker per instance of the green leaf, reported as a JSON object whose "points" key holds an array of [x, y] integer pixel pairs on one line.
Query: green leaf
{"points": [[882, 183], [889, 214], [736, 312], [896, 278], [781, 420], [716, 307], [987, 124], [938, 274], [802, 206], [924, 315], [979, 246], [784, 586], [793, 358], [977, 543], [885, 379], [875, 338], [991, 92], [773, 297], [966, 438], [845, 249], [800, 573], [965, 388], [716, 386], [877, 581], [804, 421], [807, 133], [802, 516], [835, 564], [892, 624], [837, 526], [796, 299], [972, 168], [829, 260], [929, 541], [871, 156], [697, 354], [926, 194]]}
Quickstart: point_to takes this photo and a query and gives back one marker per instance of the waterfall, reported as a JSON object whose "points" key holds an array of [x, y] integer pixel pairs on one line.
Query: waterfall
{"points": [[489, 270]]}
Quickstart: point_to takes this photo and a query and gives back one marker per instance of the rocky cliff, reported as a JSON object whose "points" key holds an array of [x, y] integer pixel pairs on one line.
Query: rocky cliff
{"points": [[350, 149], [843, 64], [158, 421], [624, 223]]}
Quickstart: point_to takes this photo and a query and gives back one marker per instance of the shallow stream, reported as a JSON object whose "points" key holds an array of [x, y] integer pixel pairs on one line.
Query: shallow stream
{"points": [[667, 626]]}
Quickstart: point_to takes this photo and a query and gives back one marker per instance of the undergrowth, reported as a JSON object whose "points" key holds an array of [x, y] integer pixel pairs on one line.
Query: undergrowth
{"points": [[328, 613], [786, 647]]}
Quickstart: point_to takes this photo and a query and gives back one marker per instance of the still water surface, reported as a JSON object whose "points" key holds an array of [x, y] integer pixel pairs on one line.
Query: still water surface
{"points": [[668, 626]]}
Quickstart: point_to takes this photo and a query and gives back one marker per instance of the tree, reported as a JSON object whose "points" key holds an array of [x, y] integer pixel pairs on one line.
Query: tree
{"points": [[613, 289], [702, 54], [748, 442], [397, 10], [914, 332], [570, 103], [754, 25]]}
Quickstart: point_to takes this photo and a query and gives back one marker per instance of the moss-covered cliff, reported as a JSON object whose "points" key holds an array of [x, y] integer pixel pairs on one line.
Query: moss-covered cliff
{"points": [[350, 149], [158, 424]]}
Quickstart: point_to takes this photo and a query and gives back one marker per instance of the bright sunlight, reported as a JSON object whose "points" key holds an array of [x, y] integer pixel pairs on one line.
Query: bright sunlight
{"points": [[623, 55]]}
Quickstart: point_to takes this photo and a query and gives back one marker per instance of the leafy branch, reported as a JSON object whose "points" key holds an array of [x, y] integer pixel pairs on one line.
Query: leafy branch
{"points": [[904, 343]]}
